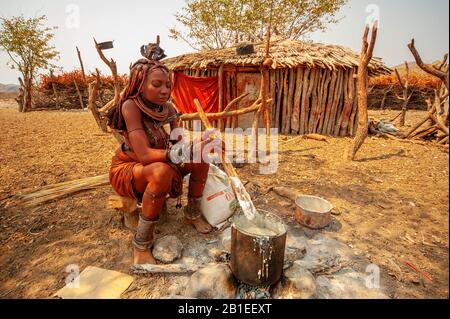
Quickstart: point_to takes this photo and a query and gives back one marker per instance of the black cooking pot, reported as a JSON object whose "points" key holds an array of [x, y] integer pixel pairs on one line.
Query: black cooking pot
{"points": [[257, 258]]}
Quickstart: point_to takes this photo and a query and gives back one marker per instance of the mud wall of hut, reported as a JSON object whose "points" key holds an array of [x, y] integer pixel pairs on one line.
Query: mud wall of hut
{"points": [[304, 100]]}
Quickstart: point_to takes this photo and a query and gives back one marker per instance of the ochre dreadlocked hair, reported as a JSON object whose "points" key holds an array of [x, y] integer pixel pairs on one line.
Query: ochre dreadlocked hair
{"points": [[138, 73]]}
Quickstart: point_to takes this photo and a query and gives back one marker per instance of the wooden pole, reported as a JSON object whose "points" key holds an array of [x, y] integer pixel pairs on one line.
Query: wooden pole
{"points": [[323, 101], [348, 104], [80, 97], [314, 101], [93, 90], [54, 90], [81, 65], [229, 169], [220, 123], [113, 67], [304, 101], [329, 101], [297, 98], [225, 114], [405, 98], [289, 102]]}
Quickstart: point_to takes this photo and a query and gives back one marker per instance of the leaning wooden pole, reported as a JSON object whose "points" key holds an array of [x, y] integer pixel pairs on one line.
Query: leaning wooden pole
{"points": [[81, 65], [405, 97], [264, 88], [363, 119], [242, 195], [55, 93]]}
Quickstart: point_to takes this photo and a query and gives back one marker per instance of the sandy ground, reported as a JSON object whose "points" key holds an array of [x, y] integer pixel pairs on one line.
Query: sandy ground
{"points": [[393, 202]]}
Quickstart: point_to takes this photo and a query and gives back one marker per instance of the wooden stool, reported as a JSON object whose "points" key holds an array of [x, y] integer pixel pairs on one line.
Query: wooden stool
{"points": [[129, 210]]}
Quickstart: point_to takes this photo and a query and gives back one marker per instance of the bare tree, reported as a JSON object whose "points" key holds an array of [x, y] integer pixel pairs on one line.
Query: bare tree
{"points": [[363, 77]]}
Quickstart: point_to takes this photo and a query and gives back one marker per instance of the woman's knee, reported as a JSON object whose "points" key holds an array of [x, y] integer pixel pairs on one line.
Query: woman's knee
{"points": [[158, 172]]}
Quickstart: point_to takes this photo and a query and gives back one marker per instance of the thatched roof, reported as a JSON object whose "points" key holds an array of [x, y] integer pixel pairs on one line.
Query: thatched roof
{"points": [[284, 53]]}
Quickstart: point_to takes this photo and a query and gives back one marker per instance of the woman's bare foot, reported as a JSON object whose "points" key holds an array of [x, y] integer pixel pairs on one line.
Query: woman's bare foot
{"points": [[200, 224], [143, 257]]}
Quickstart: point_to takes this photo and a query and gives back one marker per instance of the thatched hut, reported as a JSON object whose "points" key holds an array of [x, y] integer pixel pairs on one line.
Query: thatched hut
{"points": [[313, 86]]}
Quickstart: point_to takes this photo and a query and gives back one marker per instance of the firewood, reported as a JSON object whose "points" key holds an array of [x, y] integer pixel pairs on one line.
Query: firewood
{"points": [[57, 191], [168, 268], [316, 137]]}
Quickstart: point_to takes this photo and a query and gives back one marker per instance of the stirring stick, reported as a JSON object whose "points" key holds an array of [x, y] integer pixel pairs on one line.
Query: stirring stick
{"points": [[242, 195]]}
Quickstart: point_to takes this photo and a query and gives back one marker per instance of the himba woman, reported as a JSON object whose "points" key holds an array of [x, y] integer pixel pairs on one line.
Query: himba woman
{"points": [[143, 167]]}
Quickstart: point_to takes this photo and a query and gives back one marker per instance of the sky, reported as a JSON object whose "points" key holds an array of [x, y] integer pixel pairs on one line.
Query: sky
{"points": [[132, 23]]}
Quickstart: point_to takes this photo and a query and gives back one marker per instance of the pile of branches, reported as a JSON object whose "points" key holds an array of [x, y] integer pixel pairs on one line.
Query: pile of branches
{"points": [[434, 126], [386, 89], [381, 97], [69, 90]]}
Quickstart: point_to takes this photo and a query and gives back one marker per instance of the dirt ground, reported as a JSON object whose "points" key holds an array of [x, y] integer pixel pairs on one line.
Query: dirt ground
{"points": [[393, 205]]}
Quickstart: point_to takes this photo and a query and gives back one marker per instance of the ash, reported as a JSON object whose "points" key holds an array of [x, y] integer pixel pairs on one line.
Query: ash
{"points": [[252, 292]]}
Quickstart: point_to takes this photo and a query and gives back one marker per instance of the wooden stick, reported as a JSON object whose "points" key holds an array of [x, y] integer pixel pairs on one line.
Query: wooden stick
{"points": [[113, 67], [333, 85], [443, 141], [169, 268], [238, 187], [304, 100], [93, 90], [79, 94], [323, 102], [54, 90], [321, 99], [314, 102], [235, 101], [443, 76], [57, 191], [289, 102], [81, 65], [220, 84], [214, 116], [272, 75], [229, 169], [295, 125], [337, 98], [421, 122]]}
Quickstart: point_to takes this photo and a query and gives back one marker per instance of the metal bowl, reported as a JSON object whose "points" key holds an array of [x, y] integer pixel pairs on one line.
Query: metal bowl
{"points": [[312, 211]]}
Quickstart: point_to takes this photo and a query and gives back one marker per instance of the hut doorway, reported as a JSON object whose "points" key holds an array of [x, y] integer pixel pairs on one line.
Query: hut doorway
{"points": [[247, 82]]}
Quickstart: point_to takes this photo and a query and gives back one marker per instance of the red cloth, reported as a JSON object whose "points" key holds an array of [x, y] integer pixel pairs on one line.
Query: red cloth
{"points": [[187, 88]]}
